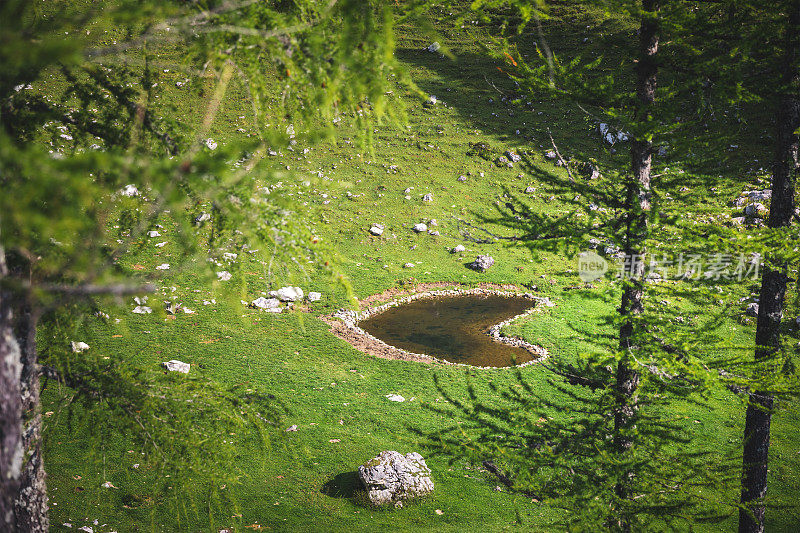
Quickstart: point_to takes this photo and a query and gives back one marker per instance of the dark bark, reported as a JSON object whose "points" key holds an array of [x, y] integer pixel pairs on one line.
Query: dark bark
{"points": [[785, 173], [10, 408], [638, 207]]}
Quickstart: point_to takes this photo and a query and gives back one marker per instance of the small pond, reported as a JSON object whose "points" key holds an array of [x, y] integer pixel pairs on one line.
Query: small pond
{"points": [[452, 328]]}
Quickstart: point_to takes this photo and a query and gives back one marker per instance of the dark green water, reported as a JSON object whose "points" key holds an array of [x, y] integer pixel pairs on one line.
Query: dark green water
{"points": [[452, 328]]}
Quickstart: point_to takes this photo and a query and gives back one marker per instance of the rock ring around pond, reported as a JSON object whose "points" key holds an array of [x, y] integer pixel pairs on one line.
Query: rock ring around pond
{"points": [[345, 324]]}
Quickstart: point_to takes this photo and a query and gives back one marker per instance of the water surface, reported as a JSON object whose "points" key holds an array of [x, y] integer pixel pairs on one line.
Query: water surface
{"points": [[452, 328]]}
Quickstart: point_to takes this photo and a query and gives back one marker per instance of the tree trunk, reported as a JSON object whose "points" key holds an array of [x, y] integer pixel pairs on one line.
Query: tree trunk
{"points": [[11, 450], [785, 173], [638, 205], [31, 504]]}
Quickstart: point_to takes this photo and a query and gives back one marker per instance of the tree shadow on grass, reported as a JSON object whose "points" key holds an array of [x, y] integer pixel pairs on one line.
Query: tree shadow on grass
{"points": [[344, 485]]}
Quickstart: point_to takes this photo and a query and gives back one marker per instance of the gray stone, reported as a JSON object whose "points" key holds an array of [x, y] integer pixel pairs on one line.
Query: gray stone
{"points": [[458, 249], [752, 309], [513, 156], [530, 189], [392, 477], [376, 229], [79, 347], [482, 263], [314, 296], [266, 303], [756, 209], [428, 197], [408, 265], [395, 398], [421, 227], [288, 294], [176, 366]]}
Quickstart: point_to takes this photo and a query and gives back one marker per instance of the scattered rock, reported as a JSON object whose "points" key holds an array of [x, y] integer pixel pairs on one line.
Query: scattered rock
{"points": [[202, 217], [420, 227], [433, 222], [458, 249], [408, 265], [153, 233], [737, 221], [550, 154], [391, 477], [376, 229], [176, 366], [428, 197], [433, 47], [79, 347], [108, 485], [224, 275], [211, 144], [314, 296], [434, 233], [754, 210], [129, 191], [288, 294], [462, 179], [513, 156], [752, 309], [163, 266], [482, 263], [293, 427], [142, 310], [266, 303], [530, 189], [395, 398]]}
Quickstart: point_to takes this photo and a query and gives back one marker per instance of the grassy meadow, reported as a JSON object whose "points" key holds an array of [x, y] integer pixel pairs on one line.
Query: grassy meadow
{"points": [[336, 395]]}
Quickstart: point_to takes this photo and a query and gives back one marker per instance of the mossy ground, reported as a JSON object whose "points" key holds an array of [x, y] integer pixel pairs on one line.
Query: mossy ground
{"points": [[303, 481]]}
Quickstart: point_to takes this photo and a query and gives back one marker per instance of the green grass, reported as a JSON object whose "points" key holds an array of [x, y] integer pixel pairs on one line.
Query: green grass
{"points": [[304, 482]]}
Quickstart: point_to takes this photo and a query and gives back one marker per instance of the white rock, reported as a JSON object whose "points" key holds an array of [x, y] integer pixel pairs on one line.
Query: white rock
{"points": [[408, 265], [392, 477], [224, 275], [176, 366], [428, 197], [266, 303], [202, 217], [161, 244], [142, 310], [420, 227], [153, 233], [212, 145], [289, 294], [550, 154], [314, 296], [752, 309], [433, 222], [433, 47], [376, 229], [163, 266], [129, 191], [395, 398], [79, 347], [292, 428], [458, 249]]}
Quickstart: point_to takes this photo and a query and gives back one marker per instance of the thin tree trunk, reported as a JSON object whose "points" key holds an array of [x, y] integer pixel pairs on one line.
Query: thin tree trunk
{"points": [[786, 171], [11, 450], [638, 204], [31, 504]]}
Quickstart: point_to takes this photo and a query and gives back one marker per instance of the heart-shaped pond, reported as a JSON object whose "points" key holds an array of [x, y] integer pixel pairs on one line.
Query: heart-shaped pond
{"points": [[452, 328]]}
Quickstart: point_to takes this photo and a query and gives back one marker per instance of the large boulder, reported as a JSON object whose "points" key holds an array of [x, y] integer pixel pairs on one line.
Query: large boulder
{"points": [[392, 477], [482, 263]]}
